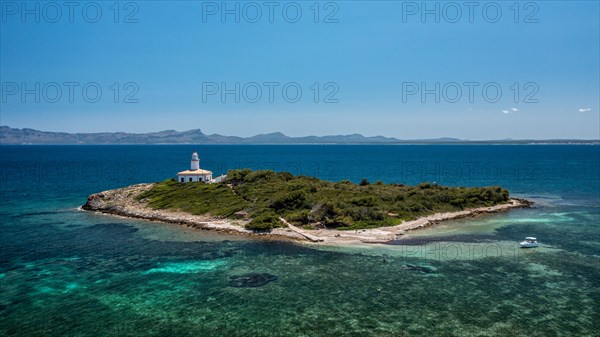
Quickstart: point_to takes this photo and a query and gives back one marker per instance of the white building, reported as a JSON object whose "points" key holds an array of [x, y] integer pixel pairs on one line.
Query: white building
{"points": [[195, 173]]}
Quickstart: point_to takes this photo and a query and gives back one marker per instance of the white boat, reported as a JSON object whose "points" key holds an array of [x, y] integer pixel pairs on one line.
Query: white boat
{"points": [[530, 242]]}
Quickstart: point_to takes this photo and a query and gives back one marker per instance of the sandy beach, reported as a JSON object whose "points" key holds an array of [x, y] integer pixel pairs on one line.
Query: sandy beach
{"points": [[122, 202]]}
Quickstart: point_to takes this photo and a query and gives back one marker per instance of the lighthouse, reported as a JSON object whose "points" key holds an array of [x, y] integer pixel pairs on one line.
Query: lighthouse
{"points": [[195, 173], [195, 161]]}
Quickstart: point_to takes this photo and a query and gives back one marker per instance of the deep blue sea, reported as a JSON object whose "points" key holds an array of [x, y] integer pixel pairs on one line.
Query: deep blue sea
{"points": [[65, 272]]}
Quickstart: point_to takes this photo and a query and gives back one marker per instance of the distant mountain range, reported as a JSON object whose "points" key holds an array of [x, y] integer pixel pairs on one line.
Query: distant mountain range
{"points": [[12, 136]]}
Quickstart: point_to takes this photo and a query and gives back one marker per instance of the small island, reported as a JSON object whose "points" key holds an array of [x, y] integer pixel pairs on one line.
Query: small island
{"points": [[283, 206]]}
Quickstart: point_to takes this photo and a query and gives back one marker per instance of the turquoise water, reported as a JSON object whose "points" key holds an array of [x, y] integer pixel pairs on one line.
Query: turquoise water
{"points": [[64, 272]]}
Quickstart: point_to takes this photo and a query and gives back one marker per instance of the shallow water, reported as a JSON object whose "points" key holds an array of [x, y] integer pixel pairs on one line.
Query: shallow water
{"points": [[64, 272]]}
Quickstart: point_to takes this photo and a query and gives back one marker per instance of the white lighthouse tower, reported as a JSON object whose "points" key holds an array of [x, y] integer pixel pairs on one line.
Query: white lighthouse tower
{"points": [[195, 161], [195, 173]]}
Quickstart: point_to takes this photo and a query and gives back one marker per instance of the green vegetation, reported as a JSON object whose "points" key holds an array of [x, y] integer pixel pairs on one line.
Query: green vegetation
{"points": [[264, 222], [305, 201], [194, 198]]}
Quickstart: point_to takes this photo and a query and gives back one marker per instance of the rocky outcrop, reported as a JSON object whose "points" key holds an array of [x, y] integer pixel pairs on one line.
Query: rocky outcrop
{"points": [[121, 201], [95, 202]]}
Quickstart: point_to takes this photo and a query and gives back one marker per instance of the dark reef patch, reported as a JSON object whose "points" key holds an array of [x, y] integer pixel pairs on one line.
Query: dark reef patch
{"points": [[417, 268], [251, 280], [113, 228], [40, 213]]}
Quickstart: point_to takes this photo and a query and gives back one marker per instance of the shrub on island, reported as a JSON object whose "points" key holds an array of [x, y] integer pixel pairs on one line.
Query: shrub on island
{"points": [[264, 222]]}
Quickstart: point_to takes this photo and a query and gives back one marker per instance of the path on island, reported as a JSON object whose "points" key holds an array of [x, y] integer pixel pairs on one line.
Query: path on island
{"points": [[301, 232]]}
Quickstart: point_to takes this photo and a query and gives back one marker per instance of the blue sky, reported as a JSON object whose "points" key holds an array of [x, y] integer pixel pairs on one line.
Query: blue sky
{"points": [[371, 62]]}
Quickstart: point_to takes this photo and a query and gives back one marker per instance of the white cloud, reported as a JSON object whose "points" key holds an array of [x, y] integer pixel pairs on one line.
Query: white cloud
{"points": [[505, 111], [584, 109], [514, 109]]}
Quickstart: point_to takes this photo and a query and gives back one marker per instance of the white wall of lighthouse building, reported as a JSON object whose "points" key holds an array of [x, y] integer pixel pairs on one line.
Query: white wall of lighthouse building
{"points": [[192, 178]]}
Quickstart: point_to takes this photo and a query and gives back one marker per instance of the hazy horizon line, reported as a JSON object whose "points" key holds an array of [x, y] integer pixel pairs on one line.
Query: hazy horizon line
{"points": [[315, 135]]}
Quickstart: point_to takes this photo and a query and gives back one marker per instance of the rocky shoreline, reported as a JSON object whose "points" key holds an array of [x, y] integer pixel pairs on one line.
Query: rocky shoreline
{"points": [[123, 202]]}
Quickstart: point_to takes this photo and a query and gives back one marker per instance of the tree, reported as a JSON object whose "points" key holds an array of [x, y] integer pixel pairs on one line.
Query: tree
{"points": [[290, 201]]}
